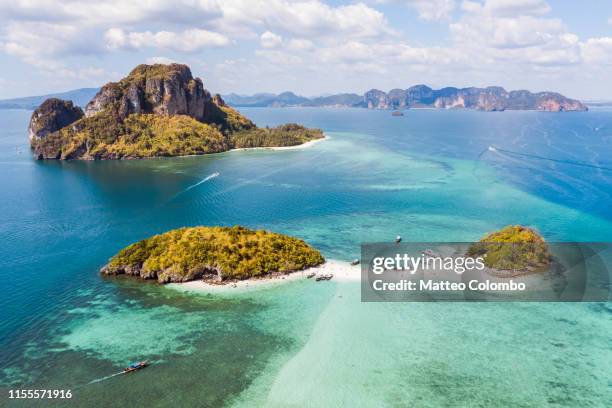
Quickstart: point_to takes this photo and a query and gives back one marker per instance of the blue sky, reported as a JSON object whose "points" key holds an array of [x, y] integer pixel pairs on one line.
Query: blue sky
{"points": [[311, 47]]}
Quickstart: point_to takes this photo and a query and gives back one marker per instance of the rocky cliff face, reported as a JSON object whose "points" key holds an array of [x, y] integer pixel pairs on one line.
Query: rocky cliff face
{"points": [[419, 95], [376, 99], [397, 99], [158, 89], [554, 102], [51, 116]]}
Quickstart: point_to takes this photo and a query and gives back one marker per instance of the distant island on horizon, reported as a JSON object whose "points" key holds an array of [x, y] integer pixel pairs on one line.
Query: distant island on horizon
{"points": [[80, 97], [492, 98]]}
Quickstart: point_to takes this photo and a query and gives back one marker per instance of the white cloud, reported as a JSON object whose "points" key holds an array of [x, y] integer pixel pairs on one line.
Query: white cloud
{"points": [[115, 38], [40, 47], [433, 9], [32, 41], [515, 32], [391, 54], [44, 33], [598, 50], [270, 40], [508, 8], [54, 29], [428, 9], [300, 44], [186, 41], [305, 18], [313, 38], [160, 60], [279, 57], [114, 12], [523, 31]]}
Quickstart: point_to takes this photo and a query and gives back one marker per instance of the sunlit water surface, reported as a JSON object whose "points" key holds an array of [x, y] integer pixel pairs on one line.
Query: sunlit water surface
{"points": [[428, 176]]}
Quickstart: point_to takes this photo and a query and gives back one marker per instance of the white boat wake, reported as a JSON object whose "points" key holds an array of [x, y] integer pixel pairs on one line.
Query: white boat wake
{"points": [[204, 180], [97, 380], [593, 165]]}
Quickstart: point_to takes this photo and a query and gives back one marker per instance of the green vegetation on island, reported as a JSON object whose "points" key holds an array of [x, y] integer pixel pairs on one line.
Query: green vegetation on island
{"points": [[138, 136], [226, 118], [157, 110], [285, 135], [213, 253], [515, 248]]}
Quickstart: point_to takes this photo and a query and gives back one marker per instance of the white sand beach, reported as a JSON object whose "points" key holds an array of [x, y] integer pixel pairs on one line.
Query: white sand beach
{"points": [[341, 271], [301, 146], [296, 147]]}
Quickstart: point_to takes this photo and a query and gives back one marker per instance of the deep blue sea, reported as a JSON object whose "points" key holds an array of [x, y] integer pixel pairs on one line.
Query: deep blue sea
{"points": [[430, 175]]}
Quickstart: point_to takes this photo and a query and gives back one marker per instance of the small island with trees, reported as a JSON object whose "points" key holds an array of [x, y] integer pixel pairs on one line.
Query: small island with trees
{"points": [[512, 251], [156, 111], [214, 254]]}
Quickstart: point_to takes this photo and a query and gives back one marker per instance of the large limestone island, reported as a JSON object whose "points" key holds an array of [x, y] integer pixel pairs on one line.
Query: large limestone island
{"points": [[512, 251], [215, 254], [157, 110]]}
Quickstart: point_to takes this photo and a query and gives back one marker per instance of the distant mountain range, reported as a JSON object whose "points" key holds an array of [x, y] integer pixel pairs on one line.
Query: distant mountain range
{"points": [[79, 97], [266, 100], [493, 98], [286, 99]]}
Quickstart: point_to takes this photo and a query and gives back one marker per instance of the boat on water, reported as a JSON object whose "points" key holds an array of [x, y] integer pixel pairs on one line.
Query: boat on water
{"points": [[397, 113], [430, 253], [135, 366], [310, 275], [355, 262], [324, 277], [398, 239]]}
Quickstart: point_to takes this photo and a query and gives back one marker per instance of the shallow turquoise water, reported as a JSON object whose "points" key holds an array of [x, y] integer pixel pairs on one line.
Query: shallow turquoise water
{"points": [[428, 176]]}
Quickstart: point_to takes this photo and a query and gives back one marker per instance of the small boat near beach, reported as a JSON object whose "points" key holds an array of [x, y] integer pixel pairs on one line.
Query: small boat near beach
{"points": [[355, 262], [327, 276], [310, 275], [135, 366], [398, 239], [430, 253], [397, 113]]}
